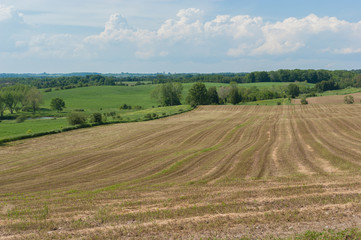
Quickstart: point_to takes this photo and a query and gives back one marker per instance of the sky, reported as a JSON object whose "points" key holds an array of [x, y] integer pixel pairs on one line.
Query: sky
{"points": [[206, 36]]}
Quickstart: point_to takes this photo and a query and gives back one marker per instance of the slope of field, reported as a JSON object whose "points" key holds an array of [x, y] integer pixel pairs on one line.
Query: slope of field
{"points": [[218, 171], [334, 99]]}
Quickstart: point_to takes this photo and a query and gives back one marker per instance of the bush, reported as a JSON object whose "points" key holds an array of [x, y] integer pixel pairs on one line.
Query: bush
{"points": [[279, 103], [21, 118], [148, 116], [304, 101], [96, 118], [349, 99], [76, 118]]}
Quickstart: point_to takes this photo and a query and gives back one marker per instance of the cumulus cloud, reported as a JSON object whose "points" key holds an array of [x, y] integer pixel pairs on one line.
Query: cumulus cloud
{"points": [[233, 36], [188, 36]]}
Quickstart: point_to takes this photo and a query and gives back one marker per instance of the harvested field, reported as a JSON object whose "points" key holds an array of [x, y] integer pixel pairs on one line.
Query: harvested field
{"points": [[218, 171], [334, 99]]}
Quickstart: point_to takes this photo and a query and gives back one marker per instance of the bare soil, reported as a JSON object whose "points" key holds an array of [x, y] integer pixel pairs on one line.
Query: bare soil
{"points": [[215, 172]]}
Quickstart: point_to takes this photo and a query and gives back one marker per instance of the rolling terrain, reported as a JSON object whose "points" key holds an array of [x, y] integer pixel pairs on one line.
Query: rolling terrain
{"points": [[218, 171]]}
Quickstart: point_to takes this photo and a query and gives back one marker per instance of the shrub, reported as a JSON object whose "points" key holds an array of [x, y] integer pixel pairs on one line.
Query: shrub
{"points": [[349, 99], [304, 101], [96, 118], [48, 90], [148, 116], [21, 118], [279, 103], [76, 118]]}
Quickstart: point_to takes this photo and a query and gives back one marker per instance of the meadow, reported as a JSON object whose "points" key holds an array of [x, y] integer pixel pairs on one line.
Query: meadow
{"points": [[219, 172]]}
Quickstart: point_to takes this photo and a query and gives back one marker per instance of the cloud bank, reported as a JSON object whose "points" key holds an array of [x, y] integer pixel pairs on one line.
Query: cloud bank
{"points": [[187, 37]]}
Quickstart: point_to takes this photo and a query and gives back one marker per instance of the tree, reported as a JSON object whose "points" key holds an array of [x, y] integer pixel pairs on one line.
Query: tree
{"points": [[293, 90], [213, 95], [348, 99], [223, 93], [11, 99], [197, 95], [234, 96], [57, 104], [168, 94], [33, 98], [2, 105]]}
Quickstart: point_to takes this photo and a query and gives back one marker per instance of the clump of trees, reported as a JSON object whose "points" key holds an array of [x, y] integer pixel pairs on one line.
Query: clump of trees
{"points": [[168, 94], [19, 97]]}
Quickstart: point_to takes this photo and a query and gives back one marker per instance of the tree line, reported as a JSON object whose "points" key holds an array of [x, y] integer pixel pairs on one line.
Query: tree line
{"points": [[342, 78], [170, 94]]}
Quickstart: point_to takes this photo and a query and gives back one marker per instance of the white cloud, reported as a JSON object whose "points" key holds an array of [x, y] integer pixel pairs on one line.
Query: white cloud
{"points": [[292, 34], [187, 37], [12, 26], [347, 50]]}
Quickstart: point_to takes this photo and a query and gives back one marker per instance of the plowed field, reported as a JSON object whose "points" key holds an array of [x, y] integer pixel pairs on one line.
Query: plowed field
{"points": [[218, 171], [334, 99]]}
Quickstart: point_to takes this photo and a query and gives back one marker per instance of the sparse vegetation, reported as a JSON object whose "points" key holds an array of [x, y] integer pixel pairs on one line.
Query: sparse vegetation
{"points": [[216, 172]]}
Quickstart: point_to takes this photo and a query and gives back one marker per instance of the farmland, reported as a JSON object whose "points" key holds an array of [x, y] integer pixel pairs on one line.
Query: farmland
{"points": [[217, 171], [104, 99]]}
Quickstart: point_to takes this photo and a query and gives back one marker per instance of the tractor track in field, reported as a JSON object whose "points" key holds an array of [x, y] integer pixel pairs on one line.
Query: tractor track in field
{"points": [[217, 169]]}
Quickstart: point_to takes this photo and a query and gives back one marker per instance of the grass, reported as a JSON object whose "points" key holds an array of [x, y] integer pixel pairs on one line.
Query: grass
{"points": [[341, 91], [11, 129]]}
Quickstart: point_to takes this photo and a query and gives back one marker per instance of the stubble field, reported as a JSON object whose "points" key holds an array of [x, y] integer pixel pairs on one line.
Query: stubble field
{"points": [[218, 171]]}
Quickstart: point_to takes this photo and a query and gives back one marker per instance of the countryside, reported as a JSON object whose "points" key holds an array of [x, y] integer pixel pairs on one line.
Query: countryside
{"points": [[180, 120]]}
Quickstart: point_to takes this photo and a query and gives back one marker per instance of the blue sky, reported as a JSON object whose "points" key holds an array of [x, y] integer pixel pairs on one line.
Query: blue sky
{"points": [[178, 36]]}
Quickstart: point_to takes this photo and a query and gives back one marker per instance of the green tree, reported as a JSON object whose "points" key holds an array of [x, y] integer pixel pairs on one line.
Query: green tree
{"points": [[2, 105], [234, 96], [57, 104], [33, 99], [293, 90], [11, 99], [197, 95], [223, 93], [168, 94], [213, 95]]}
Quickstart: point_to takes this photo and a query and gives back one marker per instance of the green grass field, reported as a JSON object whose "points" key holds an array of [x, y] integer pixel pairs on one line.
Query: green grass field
{"points": [[110, 98]]}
